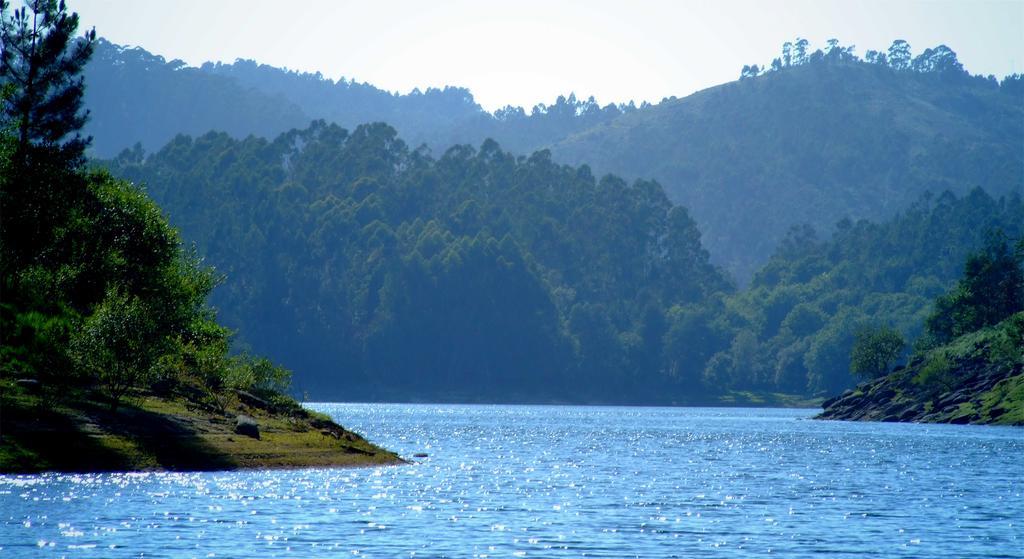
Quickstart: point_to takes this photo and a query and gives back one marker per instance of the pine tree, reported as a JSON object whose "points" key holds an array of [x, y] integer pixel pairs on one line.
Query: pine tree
{"points": [[41, 64], [41, 91]]}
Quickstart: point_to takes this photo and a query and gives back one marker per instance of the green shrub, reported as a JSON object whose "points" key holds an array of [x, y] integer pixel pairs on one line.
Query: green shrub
{"points": [[936, 376], [1008, 344], [875, 350], [258, 375], [35, 344], [118, 344]]}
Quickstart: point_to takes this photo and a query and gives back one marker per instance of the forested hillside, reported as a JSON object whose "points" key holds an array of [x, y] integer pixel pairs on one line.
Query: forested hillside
{"points": [[795, 327], [820, 138], [379, 272], [438, 118], [969, 365], [139, 97], [364, 258], [817, 137], [376, 271]]}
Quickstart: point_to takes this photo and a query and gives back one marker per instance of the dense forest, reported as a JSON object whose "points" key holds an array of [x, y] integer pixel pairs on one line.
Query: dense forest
{"points": [[111, 358], [815, 137], [379, 272], [384, 273]]}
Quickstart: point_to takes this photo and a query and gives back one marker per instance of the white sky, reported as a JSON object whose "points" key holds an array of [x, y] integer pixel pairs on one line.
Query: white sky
{"points": [[528, 52]]}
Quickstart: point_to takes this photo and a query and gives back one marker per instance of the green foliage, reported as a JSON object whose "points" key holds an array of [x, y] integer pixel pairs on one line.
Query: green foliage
{"points": [[42, 60], [807, 303], [97, 289], [803, 320], [35, 344], [122, 256], [745, 358], [355, 254], [875, 349], [1008, 345], [969, 369], [118, 344], [695, 334], [818, 140], [827, 360], [937, 375], [478, 273], [258, 375], [948, 368], [992, 288]]}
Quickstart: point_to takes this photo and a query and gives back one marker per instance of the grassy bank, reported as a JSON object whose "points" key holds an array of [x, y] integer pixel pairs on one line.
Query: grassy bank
{"points": [[977, 378], [77, 432]]}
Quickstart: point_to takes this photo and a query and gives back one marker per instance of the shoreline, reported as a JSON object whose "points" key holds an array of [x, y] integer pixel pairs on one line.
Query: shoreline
{"points": [[740, 399], [988, 395], [153, 434]]}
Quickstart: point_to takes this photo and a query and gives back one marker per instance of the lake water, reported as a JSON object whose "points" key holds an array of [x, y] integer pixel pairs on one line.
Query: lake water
{"points": [[549, 481]]}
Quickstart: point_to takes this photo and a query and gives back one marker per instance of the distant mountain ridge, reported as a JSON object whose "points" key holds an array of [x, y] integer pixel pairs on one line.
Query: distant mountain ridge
{"points": [[246, 97], [820, 137], [137, 97], [813, 144]]}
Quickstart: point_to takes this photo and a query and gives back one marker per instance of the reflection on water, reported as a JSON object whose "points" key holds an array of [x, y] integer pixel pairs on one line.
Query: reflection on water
{"points": [[544, 481]]}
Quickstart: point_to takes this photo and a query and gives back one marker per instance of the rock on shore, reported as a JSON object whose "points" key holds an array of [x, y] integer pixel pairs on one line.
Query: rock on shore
{"points": [[981, 393]]}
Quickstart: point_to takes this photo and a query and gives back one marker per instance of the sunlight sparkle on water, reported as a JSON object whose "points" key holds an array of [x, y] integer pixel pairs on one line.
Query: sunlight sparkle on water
{"points": [[529, 481]]}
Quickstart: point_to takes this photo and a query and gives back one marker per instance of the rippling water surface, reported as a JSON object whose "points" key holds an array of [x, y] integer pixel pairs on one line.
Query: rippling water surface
{"points": [[539, 481]]}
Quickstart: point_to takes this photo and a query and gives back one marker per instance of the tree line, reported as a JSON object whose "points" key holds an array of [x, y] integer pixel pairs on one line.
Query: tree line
{"points": [[940, 61], [481, 275], [806, 307], [383, 271], [831, 136]]}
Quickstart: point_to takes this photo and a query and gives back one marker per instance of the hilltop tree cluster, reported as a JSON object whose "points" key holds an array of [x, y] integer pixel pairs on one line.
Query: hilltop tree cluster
{"points": [[940, 61]]}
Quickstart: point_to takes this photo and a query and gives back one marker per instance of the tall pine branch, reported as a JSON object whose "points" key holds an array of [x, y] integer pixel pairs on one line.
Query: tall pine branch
{"points": [[43, 61]]}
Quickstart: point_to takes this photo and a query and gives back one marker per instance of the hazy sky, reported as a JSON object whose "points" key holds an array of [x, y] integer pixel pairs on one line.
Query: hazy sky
{"points": [[527, 52]]}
